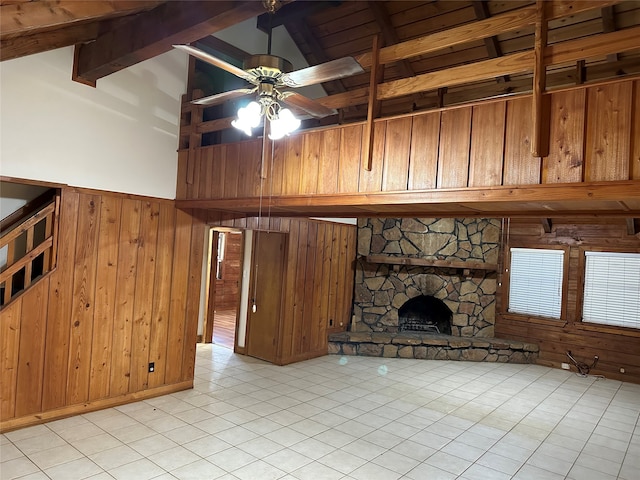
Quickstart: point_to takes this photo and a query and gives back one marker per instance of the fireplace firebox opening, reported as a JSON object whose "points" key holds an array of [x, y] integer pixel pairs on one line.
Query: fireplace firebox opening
{"points": [[425, 313]]}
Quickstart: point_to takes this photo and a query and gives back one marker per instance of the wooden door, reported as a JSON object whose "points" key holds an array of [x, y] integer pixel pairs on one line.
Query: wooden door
{"points": [[265, 295]]}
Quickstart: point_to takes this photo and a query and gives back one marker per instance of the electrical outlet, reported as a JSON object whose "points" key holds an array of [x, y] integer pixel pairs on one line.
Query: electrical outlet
{"points": [[152, 367], [622, 370], [565, 366]]}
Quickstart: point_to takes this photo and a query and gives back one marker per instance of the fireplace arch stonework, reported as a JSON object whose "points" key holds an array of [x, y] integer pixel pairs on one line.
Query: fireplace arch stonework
{"points": [[381, 289]]}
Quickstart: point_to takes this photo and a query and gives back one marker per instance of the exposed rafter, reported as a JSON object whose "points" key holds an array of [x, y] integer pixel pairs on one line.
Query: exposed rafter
{"points": [[491, 43], [152, 33], [36, 27]]}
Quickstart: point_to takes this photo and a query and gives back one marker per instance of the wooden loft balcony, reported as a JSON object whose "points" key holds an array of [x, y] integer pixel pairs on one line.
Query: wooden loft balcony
{"points": [[553, 147]]}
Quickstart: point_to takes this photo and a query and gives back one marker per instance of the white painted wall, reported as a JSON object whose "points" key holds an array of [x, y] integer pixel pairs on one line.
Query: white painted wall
{"points": [[121, 136]]}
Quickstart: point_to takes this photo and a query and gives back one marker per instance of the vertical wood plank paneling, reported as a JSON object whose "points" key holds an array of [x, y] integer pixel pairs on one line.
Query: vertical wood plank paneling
{"points": [[249, 169], [325, 280], [11, 317], [635, 133], [334, 277], [487, 144], [217, 155], [231, 167], [423, 160], [59, 314], [311, 147], [84, 285], [125, 296], [350, 161], [181, 189], [566, 156], [179, 283], [371, 181], [342, 277], [205, 173], [349, 279], [309, 249], [31, 351], [277, 152], [106, 278], [453, 154], [193, 189], [292, 167], [289, 305], [316, 327], [520, 167], [162, 294], [193, 298], [329, 161], [300, 287], [395, 172], [143, 302], [608, 132]]}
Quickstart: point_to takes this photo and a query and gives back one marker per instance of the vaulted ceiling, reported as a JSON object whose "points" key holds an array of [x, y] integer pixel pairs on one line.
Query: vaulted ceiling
{"points": [[112, 35]]}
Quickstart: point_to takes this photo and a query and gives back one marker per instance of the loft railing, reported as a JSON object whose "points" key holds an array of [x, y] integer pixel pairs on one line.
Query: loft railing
{"points": [[30, 250]]}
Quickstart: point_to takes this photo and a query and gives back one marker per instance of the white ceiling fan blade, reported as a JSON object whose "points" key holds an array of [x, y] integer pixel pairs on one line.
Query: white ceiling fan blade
{"points": [[219, 98], [308, 105], [207, 57], [333, 70]]}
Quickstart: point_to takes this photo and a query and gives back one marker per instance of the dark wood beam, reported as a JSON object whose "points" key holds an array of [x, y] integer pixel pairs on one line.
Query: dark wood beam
{"points": [[547, 225], [633, 226], [153, 33], [609, 25], [292, 12], [390, 37], [34, 17], [223, 47], [492, 45]]}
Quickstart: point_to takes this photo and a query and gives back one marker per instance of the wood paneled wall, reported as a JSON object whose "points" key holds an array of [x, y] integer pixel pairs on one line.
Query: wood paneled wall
{"points": [[616, 347], [125, 293], [319, 275], [228, 287], [593, 133]]}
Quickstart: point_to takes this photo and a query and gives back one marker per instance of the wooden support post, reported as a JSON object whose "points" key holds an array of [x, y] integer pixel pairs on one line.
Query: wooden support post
{"points": [[195, 138], [581, 73], [373, 108], [539, 145]]}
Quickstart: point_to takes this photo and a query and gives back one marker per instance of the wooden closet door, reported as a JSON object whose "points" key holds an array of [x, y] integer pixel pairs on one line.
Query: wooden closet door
{"points": [[267, 272]]}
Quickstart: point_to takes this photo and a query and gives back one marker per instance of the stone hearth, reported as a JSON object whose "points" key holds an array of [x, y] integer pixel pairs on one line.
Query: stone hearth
{"points": [[432, 347]]}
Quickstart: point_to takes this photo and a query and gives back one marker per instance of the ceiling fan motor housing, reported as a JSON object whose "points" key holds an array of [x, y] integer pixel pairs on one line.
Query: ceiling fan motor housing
{"points": [[268, 68]]}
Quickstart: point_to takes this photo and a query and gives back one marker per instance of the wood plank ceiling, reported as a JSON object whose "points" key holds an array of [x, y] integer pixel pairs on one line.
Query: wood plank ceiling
{"points": [[111, 35]]}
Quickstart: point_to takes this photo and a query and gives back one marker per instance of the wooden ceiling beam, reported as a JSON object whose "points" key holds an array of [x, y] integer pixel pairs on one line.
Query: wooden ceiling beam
{"points": [[45, 41], [153, 33], [544, 201], [35, 17], [492, 45], [609, 25], [496, 25], [292, 12]]}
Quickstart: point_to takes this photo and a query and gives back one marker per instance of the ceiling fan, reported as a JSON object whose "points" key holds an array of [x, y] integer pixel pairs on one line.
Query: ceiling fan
{"points": [[269, 74]]}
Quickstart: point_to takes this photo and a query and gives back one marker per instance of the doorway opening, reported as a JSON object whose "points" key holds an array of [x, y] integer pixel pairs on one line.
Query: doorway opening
{"points": [[223, 297]]}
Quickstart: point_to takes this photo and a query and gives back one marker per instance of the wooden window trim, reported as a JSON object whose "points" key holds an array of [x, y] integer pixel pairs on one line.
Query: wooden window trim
{"points": [[595, 327], [506, 272]]}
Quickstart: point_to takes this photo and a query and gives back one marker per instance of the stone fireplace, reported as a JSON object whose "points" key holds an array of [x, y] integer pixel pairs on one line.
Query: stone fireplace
{"points": [[426, 288], [458, 267]]}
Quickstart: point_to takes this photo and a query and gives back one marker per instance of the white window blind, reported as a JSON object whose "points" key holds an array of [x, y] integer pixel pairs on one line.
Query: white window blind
{"points": [[612, 289], [535, 281]]}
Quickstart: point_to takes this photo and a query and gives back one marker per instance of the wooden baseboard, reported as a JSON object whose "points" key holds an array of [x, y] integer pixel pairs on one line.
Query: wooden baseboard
{"points": [[64, 412]]}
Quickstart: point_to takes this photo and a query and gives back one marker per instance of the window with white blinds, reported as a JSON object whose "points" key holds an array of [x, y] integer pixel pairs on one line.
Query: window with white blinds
{"points": [[612, 289], [535, 281]]}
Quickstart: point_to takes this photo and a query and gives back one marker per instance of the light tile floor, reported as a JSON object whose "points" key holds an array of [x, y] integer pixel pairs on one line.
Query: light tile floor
{"points": [[348, 418]]}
